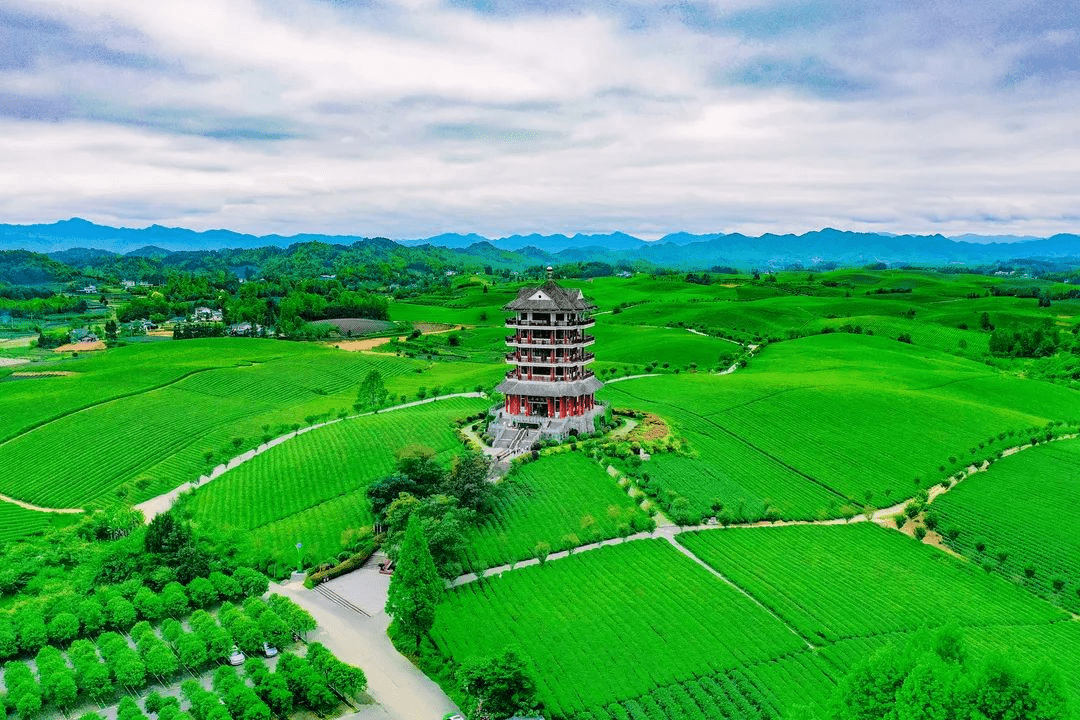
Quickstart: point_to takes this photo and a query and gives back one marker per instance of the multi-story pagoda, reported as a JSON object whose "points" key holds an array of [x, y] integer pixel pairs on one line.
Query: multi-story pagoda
{"points": [[550, 388]]}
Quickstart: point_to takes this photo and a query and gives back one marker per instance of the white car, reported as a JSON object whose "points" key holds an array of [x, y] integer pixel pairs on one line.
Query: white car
{"points": [[269, 650], [237, 658]]}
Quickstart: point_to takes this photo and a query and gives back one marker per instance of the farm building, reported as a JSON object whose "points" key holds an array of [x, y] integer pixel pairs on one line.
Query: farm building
{"points": [[550, 391]]}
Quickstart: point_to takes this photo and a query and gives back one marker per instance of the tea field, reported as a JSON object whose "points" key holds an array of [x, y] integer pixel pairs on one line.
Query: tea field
{"points": [[614, 623], [841, 581], [1012, 519], [818, 426], [562, 500], [92, 457], [310, 489]]}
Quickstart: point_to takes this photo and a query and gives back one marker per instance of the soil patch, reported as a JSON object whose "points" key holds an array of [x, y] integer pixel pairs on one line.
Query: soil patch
{"points": [[80, 347], [6, 362], [363, 345], [26, 375], [651, 427]]}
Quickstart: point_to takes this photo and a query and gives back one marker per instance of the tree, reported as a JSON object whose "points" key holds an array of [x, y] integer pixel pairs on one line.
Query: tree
{"points": [[297, 618], [415, 587], [468, 482], [503, 685], [32, 632], [252, 582], [226, 586], [63, 628], [91, 616], [166, 535], [148, 604], [372, 391], [174, 600], [202, 593], [932, 677], [121, 613]]}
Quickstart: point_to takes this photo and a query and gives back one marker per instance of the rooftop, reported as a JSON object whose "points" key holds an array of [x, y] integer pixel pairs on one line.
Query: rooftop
{"points": [[550, 296]]}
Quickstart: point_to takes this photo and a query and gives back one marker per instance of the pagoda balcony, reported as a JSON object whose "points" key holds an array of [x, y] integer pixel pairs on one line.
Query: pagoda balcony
{"points": [[548, 377], [574, 342], [518, 322], [528, 359]]}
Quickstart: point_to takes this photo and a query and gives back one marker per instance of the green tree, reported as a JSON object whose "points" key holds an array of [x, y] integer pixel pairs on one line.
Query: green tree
{"points": [[202, 592], [32, 632], [503, 685], [166, 535], [931, 677], [63, 628], [372, 391], [415, 587], [468, 482]]}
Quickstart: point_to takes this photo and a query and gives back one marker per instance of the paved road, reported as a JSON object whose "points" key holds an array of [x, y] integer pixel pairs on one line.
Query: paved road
{"points": [[400, 689]]}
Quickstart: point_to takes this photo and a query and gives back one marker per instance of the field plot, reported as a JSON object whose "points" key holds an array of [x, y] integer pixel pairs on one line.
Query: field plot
{"points": [[611, 624], [564, 500], [16, 522], [616, 346], [840, 581], [1019, 518], [120, 372], [137, 446], [310, 489], [858, 418], [724, 695]]}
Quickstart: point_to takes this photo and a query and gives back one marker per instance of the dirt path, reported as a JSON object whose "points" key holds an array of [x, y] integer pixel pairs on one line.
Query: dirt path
{"points": [[156, 505], [400, 689], [28, 506]]}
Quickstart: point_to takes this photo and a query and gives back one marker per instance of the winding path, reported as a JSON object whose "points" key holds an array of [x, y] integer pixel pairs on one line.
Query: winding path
{"points": [[667, 529], [155, 506]]}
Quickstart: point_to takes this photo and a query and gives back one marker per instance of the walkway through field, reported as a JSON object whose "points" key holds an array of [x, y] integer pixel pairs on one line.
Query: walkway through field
{"points": [[401, 690], [155, 506]]}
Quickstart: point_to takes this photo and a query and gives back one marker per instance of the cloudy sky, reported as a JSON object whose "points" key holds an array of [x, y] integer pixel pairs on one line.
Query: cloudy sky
{"points": [[406, 118]]}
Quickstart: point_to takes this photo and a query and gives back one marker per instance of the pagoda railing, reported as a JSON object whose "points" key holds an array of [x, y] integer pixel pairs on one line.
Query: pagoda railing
{"points": [[518, 322], [518, 340], [530, 359], [549, 377]]}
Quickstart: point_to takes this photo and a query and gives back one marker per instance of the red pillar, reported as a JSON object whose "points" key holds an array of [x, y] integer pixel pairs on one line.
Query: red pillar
{"points": [[551, 407]]}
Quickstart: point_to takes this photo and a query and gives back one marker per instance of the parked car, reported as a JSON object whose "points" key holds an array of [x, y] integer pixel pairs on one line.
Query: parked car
{"points": [[237, 657], [269, 650]]}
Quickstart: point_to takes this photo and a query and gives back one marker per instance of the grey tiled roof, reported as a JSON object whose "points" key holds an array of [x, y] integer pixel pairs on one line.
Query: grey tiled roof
{"points": [[557, 299], [549, 388]]}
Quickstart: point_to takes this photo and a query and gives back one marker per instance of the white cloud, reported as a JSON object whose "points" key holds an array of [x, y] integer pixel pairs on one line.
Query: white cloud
{"points": [[414, 118]]}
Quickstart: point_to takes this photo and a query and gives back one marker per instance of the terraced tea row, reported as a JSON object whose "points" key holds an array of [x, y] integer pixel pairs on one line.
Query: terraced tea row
{"points": [[279, 494], [841, 581], [156, 440], [820, 422], [1010, 519], [613, 624], [561, 500]]}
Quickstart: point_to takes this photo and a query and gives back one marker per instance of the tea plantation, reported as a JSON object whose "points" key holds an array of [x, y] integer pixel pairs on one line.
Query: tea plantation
{"points": [[748, 580]]}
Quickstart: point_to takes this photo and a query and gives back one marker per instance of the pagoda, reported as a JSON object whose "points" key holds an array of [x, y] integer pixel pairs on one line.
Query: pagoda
{"points": [[550, 390]]}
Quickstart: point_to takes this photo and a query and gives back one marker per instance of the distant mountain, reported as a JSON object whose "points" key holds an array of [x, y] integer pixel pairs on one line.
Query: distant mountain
{"points": [[76, 241]]}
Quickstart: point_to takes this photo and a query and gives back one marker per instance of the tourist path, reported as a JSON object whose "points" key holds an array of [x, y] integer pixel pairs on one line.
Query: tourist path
{"points": [[155, 506], [401, 690], [668, 530]]}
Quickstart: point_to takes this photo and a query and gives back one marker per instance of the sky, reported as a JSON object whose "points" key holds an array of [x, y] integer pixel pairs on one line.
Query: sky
{"points": [[409, 118]]}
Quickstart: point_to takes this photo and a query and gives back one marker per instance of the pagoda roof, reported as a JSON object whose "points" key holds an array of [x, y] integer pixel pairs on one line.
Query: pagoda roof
{"points": [[550, 296], [550, 388]]}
